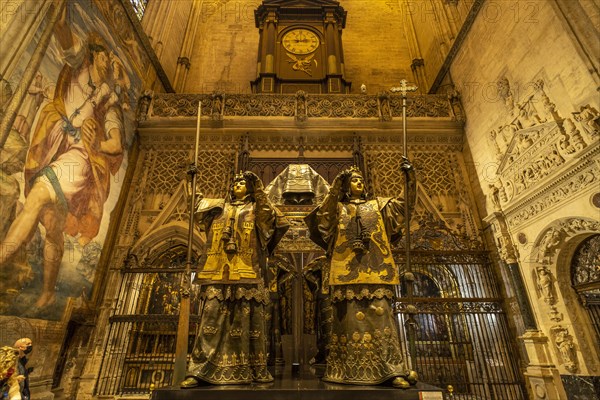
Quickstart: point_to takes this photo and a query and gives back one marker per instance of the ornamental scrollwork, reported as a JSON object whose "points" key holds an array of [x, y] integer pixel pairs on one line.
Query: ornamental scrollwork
{"points": [[342, 106], [260, 105], [444, 307], [422, 106], [180, 105], [301, 106], [586, 261]]}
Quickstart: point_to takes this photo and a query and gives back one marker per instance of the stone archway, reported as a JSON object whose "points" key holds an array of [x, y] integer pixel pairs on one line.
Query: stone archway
{"points": [[562, 315]]}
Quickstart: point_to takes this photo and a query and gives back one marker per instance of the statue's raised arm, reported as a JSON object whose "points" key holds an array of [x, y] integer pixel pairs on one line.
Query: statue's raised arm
{"points": [[357, 232], [241, 231]]}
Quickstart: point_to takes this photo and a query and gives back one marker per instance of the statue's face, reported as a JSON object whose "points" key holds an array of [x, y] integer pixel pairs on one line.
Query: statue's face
{"points": [[357, 186], [240, 189]]}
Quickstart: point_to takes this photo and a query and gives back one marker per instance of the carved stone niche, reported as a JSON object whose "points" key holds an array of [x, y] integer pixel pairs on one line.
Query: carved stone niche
{"points": [[567, 352]]}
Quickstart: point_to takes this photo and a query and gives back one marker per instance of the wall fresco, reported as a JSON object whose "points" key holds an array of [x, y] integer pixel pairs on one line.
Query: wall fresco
{"points": [[64, 164]]}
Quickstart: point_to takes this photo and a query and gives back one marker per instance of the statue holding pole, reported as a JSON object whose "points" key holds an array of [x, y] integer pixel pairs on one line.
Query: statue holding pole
{"points": [[242, 231], [357, 233]]}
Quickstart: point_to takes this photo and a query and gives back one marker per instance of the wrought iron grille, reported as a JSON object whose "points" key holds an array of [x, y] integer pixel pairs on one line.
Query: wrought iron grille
{"points": [[140, 349], [585, 278], [462, 337]]}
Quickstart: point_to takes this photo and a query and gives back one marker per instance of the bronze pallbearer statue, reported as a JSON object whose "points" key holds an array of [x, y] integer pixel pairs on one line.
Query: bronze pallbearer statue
{"points": [[364, 345], [231, 346]]}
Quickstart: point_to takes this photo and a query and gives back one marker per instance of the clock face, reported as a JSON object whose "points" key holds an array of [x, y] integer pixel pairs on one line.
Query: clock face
{"points": [[300, 41]]}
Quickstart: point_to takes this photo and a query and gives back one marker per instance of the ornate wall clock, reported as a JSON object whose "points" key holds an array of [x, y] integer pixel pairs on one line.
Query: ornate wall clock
{"points": [[300, 41], [300, 47]]}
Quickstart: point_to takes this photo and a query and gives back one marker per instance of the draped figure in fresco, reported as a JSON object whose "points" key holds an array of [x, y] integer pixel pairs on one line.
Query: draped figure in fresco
{"points": [[357, 233], [231, 346], [75, 146]]}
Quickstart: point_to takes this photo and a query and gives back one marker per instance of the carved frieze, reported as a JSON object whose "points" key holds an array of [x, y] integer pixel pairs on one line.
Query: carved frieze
{"points": [[302, 105], [568, 186], [342, 106], [437, 106]]}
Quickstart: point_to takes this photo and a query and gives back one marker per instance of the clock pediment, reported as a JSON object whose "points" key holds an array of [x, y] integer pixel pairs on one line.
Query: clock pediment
{"points": [[294, 9]]}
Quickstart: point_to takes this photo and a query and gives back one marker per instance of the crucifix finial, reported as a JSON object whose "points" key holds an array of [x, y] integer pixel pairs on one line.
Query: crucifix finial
{"points": [[404, 88]]}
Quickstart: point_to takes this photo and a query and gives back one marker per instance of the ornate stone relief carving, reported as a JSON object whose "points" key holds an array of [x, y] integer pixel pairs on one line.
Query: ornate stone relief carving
{"points": [[589, 118], [533, 142], [566, 348], [217, 106], [568, 185], [144, 105], [545, 255], [544, 281], [300, 105]]}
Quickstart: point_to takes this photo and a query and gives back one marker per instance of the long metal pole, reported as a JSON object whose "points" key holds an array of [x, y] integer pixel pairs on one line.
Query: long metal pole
{"points": [[408, 276], [183, 327]]}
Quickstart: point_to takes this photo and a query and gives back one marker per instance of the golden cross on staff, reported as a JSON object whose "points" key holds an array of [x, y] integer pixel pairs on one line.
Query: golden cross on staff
{"points": [[409, 277], [404, 88]]}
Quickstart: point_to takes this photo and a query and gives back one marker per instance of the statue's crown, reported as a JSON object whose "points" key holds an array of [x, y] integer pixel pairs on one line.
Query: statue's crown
{"points": [[238, 177], [355, 170]]}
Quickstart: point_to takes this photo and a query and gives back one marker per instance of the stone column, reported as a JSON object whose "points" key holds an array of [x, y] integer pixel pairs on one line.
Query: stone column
{"points": [[271, 22], [541, 375], [183, 62]]}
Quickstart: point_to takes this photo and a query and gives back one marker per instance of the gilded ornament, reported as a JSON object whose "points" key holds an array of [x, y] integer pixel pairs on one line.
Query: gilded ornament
{"points": [[360, 315], [236, 333], [209, 330]]}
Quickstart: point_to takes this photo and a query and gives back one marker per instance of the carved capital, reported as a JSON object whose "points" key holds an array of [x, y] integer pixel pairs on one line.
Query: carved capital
{"points": [[184, 61], [417, 62]]}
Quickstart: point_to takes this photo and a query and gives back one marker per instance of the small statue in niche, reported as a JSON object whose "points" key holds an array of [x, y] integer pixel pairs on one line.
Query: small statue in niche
{"points": [[544, 283], [506, 94], [384, 106], [493, 136], [301, 106], [549, 107], [589, 118], [217, 106], [548, 244], [566, 348], [575, 138], [144, 105], [495, 197]]}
